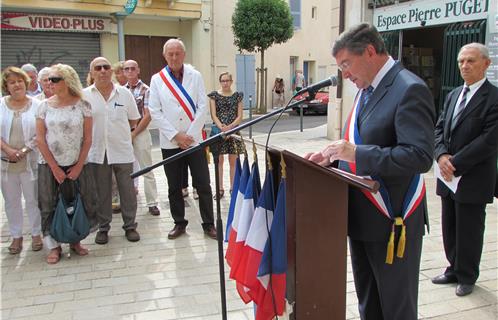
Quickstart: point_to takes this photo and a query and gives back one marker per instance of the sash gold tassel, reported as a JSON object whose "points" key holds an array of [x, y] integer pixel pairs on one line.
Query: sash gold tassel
{"points": [[401, 243]]}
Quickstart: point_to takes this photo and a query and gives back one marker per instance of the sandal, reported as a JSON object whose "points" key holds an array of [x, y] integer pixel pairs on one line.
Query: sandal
{"points": [[78, 249], [54, 255], [16, 246], [222, 193], [36, 243]]}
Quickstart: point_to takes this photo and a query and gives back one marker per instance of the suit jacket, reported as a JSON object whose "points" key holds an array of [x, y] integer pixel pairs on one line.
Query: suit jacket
{"points": [[397, 130], [473, 144]]}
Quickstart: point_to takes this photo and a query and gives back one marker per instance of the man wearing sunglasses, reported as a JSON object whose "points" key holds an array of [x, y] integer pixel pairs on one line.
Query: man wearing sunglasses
{"points": [[178, 105], [115, 113], [141, 138]]}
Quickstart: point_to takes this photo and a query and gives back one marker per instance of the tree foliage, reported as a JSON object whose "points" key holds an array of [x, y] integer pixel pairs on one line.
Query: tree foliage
{"points": [[258, 24]]}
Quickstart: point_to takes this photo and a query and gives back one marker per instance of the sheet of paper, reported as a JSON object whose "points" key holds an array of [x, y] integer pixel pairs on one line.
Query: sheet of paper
{"points": [[453, 184]]}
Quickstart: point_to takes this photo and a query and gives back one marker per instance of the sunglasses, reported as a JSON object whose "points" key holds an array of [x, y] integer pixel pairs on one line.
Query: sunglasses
{"points": [[102, 66], [129, 69], [55, 79]]}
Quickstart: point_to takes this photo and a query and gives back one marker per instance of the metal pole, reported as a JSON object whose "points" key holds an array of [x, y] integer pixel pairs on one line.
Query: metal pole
{"points": [[301, 113], [120, 16], [250, 116]]}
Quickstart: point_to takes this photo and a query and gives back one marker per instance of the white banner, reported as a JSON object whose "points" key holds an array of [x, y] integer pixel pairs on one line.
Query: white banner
{"points": [[45, 22], [419, 13]]}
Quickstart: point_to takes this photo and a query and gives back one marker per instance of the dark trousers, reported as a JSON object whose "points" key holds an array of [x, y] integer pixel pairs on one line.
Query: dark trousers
{"points": [[386, 291], [463, 232], [200, 180]]}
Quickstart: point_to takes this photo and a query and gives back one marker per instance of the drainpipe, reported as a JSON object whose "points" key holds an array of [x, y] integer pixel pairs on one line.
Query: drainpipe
{"points": [[120, 16], [338, 121]]}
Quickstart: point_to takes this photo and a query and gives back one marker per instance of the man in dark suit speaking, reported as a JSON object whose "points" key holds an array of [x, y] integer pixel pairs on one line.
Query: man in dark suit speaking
{"points": [[466, 147], [388, 136]]}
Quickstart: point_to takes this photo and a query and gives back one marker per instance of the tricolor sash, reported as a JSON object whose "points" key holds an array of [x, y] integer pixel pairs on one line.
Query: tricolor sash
{"points": [[178, 92], [381, 200]]}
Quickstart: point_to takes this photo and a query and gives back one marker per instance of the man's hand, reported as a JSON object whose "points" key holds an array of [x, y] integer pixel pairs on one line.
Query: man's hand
{"points": [[446, 167], [317, 158], [340, 150], [183, 140]]}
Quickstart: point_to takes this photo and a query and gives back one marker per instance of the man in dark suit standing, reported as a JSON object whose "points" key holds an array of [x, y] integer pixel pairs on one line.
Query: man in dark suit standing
{"points": [[466, 147], [389, 137]]}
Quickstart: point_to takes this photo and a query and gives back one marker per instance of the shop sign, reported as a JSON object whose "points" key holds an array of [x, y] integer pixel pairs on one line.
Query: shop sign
{"points": [[45, 22], [419, 13]]}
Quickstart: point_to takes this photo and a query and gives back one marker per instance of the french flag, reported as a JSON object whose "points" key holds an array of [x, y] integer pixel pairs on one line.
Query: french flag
{"points": [[244, 177], [273, 268], [257, 237], [251, 196], [233, 196]]}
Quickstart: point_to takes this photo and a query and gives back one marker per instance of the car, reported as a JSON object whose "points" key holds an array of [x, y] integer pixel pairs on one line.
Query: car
{"points": [[317, 105]]}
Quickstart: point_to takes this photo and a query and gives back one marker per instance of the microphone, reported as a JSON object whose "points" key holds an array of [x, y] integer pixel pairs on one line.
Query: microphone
{"points": [[330, 81]]}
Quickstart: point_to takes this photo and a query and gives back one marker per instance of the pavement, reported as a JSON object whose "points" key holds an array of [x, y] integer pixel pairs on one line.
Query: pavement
{"points": [[157, 278]]}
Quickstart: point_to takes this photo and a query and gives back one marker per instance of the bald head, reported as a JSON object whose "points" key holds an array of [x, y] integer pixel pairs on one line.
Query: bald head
{"points": [[101, 72], [131, 71], [100, 60]]}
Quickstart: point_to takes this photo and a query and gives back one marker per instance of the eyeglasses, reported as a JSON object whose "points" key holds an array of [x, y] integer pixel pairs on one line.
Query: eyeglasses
{"points": [[129, 68], [102, 66], [225, 81], [345, 66], [55, 79]]}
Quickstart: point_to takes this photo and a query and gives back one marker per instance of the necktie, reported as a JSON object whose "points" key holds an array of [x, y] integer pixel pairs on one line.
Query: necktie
{"points": [[365, 96], [460, 107]]}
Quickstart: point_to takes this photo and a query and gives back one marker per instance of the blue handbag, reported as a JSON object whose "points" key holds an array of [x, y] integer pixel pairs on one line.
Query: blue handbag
{"points": [[214, 130], [70, 223]]}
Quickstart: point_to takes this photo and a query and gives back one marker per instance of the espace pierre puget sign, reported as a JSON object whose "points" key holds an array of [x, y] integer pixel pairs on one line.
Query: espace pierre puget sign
{"points": [[429, 12]]}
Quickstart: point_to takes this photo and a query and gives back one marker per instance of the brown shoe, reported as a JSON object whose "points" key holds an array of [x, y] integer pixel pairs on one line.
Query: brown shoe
{"points": [[177, 231], [211, 232], [132, 235], [16, 246], [154, 210], [36, 243], [101, 237]]}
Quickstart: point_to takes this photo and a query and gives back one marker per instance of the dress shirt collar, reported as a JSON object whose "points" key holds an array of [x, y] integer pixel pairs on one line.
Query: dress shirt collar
{"points": [[382, 72]]}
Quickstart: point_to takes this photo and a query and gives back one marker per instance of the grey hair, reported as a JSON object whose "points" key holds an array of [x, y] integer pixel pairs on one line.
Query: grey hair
{"points": [[43, 73], [476, 45], [28, 67], [357, 38], [174, 41]]}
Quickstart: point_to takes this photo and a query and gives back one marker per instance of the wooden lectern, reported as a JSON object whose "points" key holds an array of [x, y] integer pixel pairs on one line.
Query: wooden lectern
{"points": [[317, 218]]}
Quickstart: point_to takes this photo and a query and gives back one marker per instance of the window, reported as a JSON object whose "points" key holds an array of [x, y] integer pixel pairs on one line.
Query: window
{"points": [[314, 13], [295, 8]]}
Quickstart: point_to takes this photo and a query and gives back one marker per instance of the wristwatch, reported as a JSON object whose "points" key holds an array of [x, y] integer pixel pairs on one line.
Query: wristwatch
{"points": [[25, 150]]}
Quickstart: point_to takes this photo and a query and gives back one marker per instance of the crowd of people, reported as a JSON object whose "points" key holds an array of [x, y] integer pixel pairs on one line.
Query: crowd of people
{"points": [[54, 131], [66, 140]]}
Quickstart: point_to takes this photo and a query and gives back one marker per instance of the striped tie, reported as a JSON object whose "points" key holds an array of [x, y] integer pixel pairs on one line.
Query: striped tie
{"points": [[460, 107]]}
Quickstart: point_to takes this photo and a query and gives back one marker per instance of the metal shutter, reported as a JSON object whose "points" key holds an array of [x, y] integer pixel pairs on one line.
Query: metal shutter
{"points": [[47, 48]]}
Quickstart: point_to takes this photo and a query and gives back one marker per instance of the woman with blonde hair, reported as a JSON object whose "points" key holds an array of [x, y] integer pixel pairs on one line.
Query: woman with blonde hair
{"points": [[226, 108], [19, 156], [64, 132]]}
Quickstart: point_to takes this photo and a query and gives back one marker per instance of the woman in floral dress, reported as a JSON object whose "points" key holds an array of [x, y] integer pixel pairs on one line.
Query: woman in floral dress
{"points": [[226, 111], [64, 132]]}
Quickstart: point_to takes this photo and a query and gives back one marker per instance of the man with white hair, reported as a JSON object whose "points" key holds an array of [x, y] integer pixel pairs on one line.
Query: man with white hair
{"points": [[178, 105], [34, 87], [115, 115], [466, 147], [45, 84]]}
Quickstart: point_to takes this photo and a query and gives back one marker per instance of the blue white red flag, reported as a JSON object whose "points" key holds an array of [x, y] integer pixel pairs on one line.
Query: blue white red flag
{"points": [[233, 197], [272, 272], [244, 177], [256, 239]]}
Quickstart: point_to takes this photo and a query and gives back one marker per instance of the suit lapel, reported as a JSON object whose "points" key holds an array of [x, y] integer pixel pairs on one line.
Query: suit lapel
{"points": [[474, 102], [451, 109], [379, 92]]}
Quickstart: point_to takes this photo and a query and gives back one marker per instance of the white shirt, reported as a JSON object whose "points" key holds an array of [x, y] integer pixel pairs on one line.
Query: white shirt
{"points": [[169, 115], [472, 90], [111, 129], [382, 72]]}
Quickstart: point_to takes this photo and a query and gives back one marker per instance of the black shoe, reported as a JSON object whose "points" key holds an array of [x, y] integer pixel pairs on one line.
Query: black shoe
{"points": [[444, 279], [177, 231], [101, 237], [132, 235], [464, 289], [211, 232], [154, 210]]}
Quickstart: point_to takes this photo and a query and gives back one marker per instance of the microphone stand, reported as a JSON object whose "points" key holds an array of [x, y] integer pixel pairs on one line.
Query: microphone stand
{"points": [[214, 142]]}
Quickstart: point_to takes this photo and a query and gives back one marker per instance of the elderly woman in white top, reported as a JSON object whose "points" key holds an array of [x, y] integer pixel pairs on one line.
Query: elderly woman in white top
{"points": [[45, 84], [19, 156], [64, 132]]}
